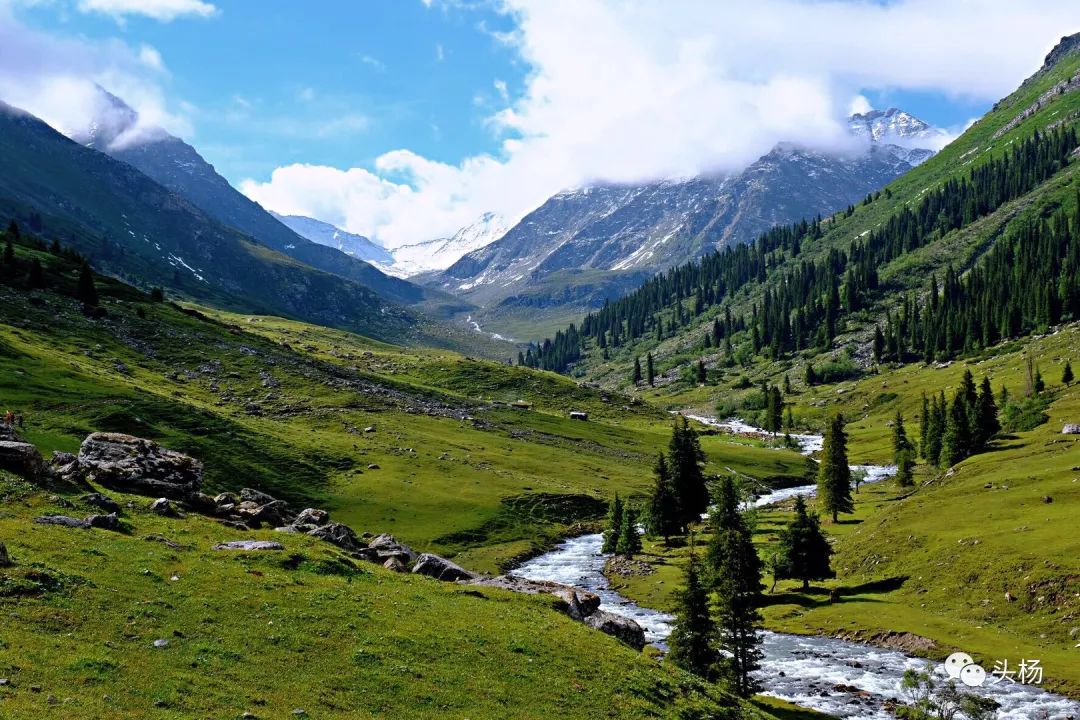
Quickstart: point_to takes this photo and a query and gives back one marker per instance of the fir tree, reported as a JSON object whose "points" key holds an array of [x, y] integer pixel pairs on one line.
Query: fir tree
{"points": [[629, 542], [1039, 384], [636, 378], [804, 550], [10, 265], [86, 291], [935, 433], [787, 384], [986, 416], [158, 295], [36, 278], [834, 474], [685, 459], [903, 452], [811, 376], [650, 371], [956, 444], [735, 570], [701, 377], [691, 645], [1067, 374], [774, 410], [664, 517], [924, 425], [614, 525]]}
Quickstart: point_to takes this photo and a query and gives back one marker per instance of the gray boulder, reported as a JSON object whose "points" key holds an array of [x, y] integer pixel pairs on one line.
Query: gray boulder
{"points": [[340, 535], [164, 507], [62, 520], [1071, 429], [622, 628], [396, 565], [577, 603], [256, 496], [104, 502], [310, 518], [250, 545], [441, 569], [386, 546], [131, 464], [104, 522], [25, 460], [5, 559]]}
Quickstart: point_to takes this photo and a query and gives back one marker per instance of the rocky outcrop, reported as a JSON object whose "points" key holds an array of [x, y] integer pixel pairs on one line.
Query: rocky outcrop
{"points": [[1071, 429], [24, 459], [130, 464], [104, 522], [386, 547], [164, 507], [577, 603], [251, 545], [619, 627], [341, 535], [440, 568]]}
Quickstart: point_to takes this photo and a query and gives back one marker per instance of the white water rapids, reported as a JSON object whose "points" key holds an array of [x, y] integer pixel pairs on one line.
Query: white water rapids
{"points": [[801, 669]]}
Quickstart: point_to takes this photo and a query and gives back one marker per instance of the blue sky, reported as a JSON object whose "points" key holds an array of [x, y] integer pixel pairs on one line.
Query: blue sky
{"points": [[277, 81], [404, 120]]}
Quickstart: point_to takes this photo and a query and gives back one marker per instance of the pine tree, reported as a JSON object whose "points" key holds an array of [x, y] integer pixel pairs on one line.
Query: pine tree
{"points": [[811, 376], [158, 295], [956, 444], [614, 525], [986, 416], [834, 474], [735, 570], [935, 433], [629, 542], [687, 475], [650, 371], [636, 379], [1067, 374], [924, 425], [10, 266], [1039, 384], [787, 384], [804, 550], [86, 291], [903, 452], [691, 645], [664, 516], [701, 377], [36, 278], [774, 410]]}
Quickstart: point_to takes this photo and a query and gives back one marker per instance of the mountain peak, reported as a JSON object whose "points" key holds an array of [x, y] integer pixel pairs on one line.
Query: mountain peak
{"points": [[1068, 45], [888, 125]]}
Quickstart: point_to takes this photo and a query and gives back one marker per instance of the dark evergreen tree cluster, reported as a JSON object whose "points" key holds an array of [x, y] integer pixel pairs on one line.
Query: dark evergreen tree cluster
{"points": [[1035, 270], [953, 431]]}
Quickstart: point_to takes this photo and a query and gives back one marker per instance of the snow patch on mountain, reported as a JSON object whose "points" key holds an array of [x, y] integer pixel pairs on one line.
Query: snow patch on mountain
{"points": [[441, 253], [323, 233]]}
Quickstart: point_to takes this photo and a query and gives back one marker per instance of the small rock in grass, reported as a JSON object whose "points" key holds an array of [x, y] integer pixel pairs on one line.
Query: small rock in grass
{"points": [[162, 643], [250, 545], [1047, 499], [163, 507], [373, 466]]}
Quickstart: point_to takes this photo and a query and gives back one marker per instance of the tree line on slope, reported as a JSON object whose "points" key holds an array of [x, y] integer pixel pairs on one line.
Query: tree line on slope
{"points": [[806, 304]]}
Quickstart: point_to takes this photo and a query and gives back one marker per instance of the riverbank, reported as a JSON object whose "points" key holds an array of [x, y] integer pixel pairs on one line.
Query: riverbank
{"points": [[932, 566]]}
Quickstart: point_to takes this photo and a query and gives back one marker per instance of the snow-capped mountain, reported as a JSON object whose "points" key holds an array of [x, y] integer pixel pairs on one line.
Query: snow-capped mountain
{"points": [[894, 126], [586, 245], [117, 130], [329, 235], [440, 253]]}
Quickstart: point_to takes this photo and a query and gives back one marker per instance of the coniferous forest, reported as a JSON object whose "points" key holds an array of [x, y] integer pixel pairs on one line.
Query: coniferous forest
{"points": [[1034, 266]]}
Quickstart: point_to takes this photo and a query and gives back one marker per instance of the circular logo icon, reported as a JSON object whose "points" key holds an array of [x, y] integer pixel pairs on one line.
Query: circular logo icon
{"points": [[957, 662], [972, 675]]}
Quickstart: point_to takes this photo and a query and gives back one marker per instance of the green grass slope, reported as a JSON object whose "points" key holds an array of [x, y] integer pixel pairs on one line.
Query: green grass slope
{"points": [[261, 634]]}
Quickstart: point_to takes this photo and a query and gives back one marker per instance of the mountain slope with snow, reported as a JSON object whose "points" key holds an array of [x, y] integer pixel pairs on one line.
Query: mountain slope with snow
{"points": [[441, 253], [353, 245], [611, 236]]}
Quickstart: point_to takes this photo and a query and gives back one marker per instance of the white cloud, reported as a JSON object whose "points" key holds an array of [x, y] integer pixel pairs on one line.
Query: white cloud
{"points": [[373, 62], [859, 105], [163, 10], [60, 79], [622, 92]]}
